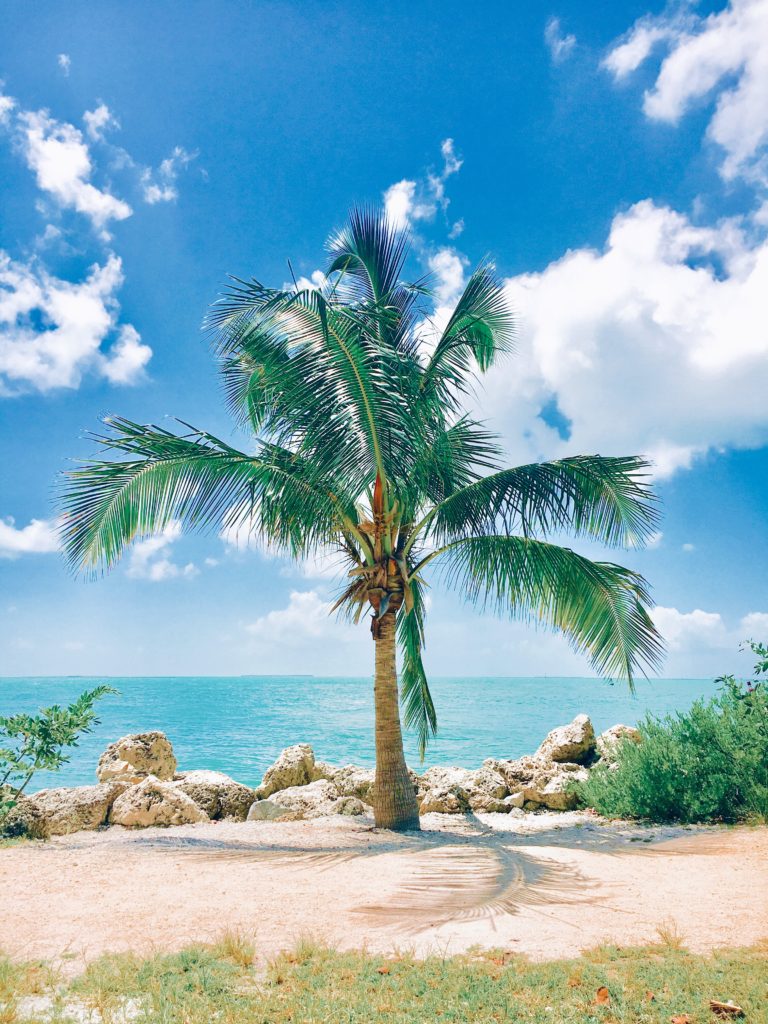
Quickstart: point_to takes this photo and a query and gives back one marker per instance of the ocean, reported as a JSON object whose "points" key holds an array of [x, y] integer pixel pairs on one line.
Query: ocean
{"points": [[239, 725]]}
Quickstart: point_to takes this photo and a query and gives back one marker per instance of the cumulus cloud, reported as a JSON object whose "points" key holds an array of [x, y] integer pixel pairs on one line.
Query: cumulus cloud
{"points": [[7, 104], [560, 45], [240, 536], [408, 201], [53, 331], [65, 63], [306, 617], [724, 55], [150, 558], [60, 159], [706, 643], [39, 536], [160, 186], [657, 344], [682, 630], [98, 121]]}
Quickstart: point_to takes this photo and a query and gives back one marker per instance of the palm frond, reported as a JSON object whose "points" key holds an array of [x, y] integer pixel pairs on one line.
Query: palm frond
{"points": [[602, 608], [606, 499], [419, 709], [481, 327], [196, 478], [371, 251]]}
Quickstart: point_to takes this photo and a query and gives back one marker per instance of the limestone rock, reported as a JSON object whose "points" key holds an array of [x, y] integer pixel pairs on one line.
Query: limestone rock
{"points": [[265, 810], [217, 794], [608, 742], [555, 795], [574, 742], [441, 777], [314, 800], [25, 819], [154, 802], [515, 801], [349, 806], [72, 810], [295, 766], [353, 781], [522, 772], [133, 758], [446, 799]]}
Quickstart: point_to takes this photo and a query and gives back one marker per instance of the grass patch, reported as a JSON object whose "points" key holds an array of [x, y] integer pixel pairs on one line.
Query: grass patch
{"points": [[313, 985]]}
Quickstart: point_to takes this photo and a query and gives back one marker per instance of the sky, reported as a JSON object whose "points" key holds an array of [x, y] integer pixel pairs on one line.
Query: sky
{"points": [[611, 158]]}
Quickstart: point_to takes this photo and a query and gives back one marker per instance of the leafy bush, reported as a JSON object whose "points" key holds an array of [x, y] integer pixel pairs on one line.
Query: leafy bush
{"points": [[33, 743], [709, 763]]}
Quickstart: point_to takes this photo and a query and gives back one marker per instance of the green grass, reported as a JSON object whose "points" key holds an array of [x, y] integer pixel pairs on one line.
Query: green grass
{"points": [[314, 985]]}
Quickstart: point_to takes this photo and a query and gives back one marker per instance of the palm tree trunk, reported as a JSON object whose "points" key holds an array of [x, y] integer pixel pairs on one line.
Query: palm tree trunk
{"points": [[394, 798]]}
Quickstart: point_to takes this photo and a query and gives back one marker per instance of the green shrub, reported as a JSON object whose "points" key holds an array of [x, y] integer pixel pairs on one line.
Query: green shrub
{"points": [[709, 763], [34, 743]]}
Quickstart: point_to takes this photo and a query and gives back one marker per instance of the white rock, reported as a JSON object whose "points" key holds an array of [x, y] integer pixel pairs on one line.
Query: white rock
{"points": [[608, 742], [350, 780], [522, 772], [451, 799], [349, 806], [574, 742], [295, 766], [313, 800], [265, 810], [154, 802], [71, 810], [136, 757], [217, 794]]}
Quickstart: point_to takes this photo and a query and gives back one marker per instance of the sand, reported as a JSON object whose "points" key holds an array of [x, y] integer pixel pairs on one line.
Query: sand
{"points": [[547, 885]]}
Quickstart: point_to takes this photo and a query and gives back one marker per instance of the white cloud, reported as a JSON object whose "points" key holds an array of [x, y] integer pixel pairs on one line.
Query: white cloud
{"points": [[99, 121], [408, 201], [39, 536], [325, 564], [65, 63], [683, 630], [560, 46], [702, 643], [7, 104], [401, 207], [58, 155], [688, 548], [724, 54], [754, 626], [150, 559], [126, 359], [52, 331], [655, 539], [636, 48], [160, 186], [307, 617], [656, 345]]}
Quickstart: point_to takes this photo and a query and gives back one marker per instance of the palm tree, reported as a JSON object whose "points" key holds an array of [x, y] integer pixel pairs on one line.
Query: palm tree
{"points": [[361, 445]]}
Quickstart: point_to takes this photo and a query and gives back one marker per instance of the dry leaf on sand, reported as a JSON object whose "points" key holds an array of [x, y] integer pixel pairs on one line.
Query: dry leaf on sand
{"points": [[728, 1009]]}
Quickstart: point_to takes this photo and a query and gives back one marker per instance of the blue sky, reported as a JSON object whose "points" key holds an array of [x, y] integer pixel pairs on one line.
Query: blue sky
{"points": [[610, 157]]}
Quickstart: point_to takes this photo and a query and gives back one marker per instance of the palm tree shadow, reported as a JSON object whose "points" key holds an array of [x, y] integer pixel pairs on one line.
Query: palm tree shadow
{"points": [[451, 876]]}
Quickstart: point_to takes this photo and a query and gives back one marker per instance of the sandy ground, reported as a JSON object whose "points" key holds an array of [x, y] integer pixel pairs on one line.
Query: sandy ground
{"points": [[548, 885]]}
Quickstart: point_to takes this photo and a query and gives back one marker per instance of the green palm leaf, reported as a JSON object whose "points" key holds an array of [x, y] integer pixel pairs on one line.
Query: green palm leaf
{"points": [[599, 606]]}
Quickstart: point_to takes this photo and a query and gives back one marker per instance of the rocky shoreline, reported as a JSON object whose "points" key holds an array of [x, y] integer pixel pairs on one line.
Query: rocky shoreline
{"points": [[139, 786]]}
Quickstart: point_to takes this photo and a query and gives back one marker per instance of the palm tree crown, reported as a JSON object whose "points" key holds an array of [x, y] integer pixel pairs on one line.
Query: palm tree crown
{"points": [[362, 445]]}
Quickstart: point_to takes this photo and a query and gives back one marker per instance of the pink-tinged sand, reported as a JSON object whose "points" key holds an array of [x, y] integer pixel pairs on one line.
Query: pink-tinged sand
{"points": [[547, 885]]}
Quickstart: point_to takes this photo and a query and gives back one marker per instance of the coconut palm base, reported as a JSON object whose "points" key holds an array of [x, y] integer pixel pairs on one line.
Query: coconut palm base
{"points": [[394, 797]]}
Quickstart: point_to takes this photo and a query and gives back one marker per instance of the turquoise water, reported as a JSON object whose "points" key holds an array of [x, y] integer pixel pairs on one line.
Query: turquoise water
{"points": [[238, 725]]}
